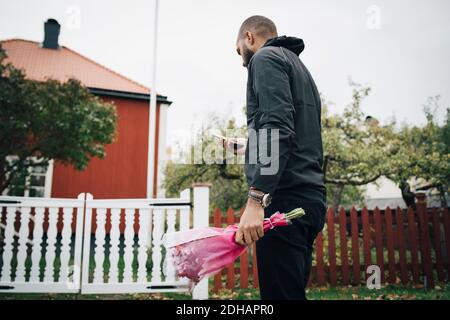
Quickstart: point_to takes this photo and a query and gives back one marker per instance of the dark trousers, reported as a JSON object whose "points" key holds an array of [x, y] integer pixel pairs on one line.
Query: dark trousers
{"points": [[284, 254]]}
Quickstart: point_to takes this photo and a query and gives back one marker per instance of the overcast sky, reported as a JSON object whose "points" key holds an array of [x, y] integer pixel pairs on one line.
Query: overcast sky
{"points": [[401, 48]]}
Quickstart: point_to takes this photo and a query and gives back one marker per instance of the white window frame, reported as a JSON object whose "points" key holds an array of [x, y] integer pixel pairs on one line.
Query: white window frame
{"points": [[48, 178]]}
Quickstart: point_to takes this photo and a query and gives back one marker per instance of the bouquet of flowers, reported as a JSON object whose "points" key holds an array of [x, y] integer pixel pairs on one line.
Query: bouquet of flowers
{"points": [[197, 253]]}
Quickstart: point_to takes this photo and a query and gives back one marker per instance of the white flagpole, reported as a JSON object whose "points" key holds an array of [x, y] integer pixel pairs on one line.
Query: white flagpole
{"points": [[152, 112]]}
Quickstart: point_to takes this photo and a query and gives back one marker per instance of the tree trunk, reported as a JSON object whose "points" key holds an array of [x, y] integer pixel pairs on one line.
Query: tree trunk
{"points": [[2, 176], [442, 197], [408, 196]]}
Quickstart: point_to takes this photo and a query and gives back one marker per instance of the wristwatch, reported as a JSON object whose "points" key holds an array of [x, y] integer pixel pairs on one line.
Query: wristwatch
{"points": [[262, 198]]}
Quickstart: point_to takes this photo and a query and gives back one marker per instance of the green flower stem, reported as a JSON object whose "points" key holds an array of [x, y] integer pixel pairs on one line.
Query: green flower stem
{"points": [[295, 213]]}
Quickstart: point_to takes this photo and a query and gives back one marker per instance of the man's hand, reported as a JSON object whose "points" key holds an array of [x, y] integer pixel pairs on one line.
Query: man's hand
{"points": [[236, 145], [251, 224]]}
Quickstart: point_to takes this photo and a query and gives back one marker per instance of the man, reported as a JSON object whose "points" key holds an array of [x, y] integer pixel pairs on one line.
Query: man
{"points": [[284, 111]]}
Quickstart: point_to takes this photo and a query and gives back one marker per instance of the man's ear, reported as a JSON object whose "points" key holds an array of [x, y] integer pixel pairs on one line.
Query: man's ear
{"points": [[250, 37]]}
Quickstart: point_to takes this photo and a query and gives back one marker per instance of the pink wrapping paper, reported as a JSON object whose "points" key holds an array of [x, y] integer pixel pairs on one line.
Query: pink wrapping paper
{"points": [[197, 253]]}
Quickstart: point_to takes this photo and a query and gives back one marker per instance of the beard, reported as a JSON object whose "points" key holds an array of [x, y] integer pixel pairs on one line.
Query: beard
{"points": [[247, 54]]}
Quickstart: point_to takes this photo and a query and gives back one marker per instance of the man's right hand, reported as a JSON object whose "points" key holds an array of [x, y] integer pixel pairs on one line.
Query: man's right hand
{"points": [[251, 223]]}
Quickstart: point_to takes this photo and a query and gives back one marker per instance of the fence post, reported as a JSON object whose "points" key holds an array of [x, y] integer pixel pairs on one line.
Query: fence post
{"points": [[201, 219], [74, 281], [425, 239], [86, 242]]}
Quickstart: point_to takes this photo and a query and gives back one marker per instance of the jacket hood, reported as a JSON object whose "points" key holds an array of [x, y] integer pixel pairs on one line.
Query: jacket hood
{"points": [[294, 44]]}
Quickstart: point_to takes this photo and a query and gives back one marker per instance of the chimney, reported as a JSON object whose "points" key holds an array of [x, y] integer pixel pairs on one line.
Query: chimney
{"points": [[51, 34]]}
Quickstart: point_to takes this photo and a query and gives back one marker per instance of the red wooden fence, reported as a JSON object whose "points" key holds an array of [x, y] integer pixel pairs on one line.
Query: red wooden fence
{"points": [[409, 246]]}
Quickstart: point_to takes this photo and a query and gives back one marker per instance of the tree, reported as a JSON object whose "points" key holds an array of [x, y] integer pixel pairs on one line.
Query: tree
{"points": [[357, 149], [427, 153], [48, 120], [229, 186]]}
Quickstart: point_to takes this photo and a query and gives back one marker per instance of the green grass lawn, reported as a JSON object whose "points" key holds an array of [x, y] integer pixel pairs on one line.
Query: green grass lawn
{"points": [[352, 293], [317, 293], [391, 292]]}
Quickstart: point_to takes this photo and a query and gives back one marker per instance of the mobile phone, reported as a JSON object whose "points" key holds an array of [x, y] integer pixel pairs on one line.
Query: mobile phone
{"points": [[218, 136], [236, 146]]}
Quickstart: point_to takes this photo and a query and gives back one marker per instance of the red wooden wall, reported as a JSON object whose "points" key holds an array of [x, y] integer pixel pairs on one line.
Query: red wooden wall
{"points": [[123, 171]]}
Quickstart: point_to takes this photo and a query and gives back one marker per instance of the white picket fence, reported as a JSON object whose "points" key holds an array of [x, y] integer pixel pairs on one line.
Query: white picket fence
{"points": [[88, 245], [29, 240]]}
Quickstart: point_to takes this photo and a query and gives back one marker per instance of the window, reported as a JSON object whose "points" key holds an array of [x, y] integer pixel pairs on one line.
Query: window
{"points": [[36, 184]]}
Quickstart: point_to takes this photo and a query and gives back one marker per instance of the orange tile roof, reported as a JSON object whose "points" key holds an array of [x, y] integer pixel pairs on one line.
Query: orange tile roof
{"points": [[41, 64]]}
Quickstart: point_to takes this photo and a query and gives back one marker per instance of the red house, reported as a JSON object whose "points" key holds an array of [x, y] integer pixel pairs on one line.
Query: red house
{"points": [[123, 171]]}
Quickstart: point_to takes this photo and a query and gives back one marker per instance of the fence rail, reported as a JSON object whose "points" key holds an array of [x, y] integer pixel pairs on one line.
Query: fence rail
{"points": [[40, 242], [122, 248], [92, 245], [409, 246], [113, 245]]}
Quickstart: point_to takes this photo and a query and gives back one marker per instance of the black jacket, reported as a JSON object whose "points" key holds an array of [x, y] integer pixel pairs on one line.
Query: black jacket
{"points": [[281, 94]]}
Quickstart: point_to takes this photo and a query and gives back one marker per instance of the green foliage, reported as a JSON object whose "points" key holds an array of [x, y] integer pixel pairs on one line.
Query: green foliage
{"points": [[357, 149], [349, 195], [49, 120], [229, 186], [426, 151]]}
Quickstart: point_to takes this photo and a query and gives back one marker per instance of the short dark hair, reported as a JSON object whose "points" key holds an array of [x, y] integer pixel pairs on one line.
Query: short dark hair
{"points": [[261, 26]]}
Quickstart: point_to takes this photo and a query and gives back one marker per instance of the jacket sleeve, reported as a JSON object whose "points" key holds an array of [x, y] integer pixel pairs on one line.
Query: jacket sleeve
{"points": [[275, 119]]}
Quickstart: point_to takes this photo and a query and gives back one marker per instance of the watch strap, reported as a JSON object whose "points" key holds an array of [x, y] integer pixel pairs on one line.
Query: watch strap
{"points": [[257, 195]]}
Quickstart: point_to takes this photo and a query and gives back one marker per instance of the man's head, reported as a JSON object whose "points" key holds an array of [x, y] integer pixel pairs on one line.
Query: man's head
{"points": [[252, 35]]}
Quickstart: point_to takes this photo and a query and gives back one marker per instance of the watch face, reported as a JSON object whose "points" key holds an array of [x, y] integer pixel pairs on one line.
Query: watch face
{"points": [[266, 200]]}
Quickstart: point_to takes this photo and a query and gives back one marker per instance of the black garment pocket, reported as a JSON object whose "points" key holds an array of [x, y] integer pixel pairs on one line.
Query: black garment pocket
{"points": [[302, 230]]}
